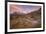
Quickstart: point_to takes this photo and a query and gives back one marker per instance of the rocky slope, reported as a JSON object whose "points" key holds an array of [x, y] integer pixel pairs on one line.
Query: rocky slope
{"points": [[31, 20]]}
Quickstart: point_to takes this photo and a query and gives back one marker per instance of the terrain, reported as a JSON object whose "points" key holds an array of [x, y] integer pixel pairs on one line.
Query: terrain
{"points": [[30, 20]]}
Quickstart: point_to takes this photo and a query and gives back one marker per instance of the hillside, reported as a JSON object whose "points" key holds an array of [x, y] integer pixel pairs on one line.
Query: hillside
{"points": [[31, 20]]}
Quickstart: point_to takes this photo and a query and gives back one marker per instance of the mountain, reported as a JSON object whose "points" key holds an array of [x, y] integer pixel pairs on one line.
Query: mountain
{"points": [[30, 20]]}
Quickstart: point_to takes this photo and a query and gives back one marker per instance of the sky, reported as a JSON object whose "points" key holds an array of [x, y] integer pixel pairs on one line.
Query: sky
{"points": [[23, 8]]}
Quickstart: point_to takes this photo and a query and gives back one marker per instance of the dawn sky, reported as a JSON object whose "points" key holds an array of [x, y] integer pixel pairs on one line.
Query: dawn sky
{"points": [[23, 8]]}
